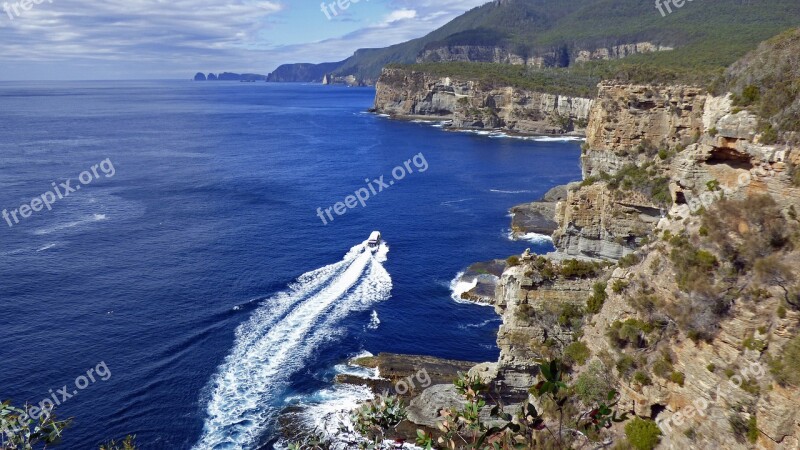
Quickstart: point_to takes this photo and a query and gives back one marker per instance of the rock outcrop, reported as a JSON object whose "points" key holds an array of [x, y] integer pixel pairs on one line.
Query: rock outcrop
{"points": [[702, 392], [628, 120], [558, 57], [471, 104]]}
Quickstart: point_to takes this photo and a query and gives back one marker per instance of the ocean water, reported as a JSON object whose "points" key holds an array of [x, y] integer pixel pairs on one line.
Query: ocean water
{"points": [[195, 293]]}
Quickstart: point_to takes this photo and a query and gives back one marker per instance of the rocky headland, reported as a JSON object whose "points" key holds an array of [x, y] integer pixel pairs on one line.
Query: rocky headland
{"points": [[674, 279], [406, 93]]}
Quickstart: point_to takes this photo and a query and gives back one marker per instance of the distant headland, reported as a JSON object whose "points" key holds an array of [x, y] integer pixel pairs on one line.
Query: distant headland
{"points": [[228, 76]]}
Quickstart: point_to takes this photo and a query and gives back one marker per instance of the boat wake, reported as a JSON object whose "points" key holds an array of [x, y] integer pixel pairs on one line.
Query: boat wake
{"points": [[279, 339]]}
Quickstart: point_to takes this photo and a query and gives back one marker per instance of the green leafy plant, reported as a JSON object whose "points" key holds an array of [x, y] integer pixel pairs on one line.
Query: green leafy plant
{"points": [[129, 443], [19, 430], [375, 419], [529, 428]]}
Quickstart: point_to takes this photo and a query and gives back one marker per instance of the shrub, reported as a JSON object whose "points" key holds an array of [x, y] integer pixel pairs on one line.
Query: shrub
{"points": [[571, 316], [713, 132], [786, 369], [629, 260], [794, 173], [769, 135], [642, 378], [662, 368], [711, 367], [574, 268], [597, 299], [750, 95], [593, 384], [757, 224], [577, 352], [618, 286], [752, 430], [678, 378], [694, 268], [512, 261], [642, 434], [625, 365], [631, 332], [781, 312]]}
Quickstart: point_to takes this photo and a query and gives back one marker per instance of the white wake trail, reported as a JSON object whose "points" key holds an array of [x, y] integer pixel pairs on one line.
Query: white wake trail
{"points": [[279, 339]]}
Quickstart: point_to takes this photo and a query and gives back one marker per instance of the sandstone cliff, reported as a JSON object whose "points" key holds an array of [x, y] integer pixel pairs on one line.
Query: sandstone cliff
{"points": [[471, 104], [560, 57], [705, 341]]}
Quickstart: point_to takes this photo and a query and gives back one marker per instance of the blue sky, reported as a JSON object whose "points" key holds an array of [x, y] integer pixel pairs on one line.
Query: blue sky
{"points": [[139, 39]]}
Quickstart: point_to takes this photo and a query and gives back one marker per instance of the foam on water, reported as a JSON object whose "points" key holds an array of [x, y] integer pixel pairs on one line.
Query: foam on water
{"points": [[278, 340], [534, 238], [500, 191], [374, 321], [73, 224]]}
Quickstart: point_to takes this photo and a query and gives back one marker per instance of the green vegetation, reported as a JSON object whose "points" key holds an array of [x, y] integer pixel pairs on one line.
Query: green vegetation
{"points": [[375, 419], [756, 222], [597, 299], [577, 352], [126, 444], [618, 286], [767, 82], [575, 268], [632, 332], [465, 428], [663, 368], [30, 428], [694, 268], [593, 384], [678, 378], [629, 260], [786, 368], [20, 430], [642, 434], [512, 261], [642, 378], [745, 429], [571, 316]]}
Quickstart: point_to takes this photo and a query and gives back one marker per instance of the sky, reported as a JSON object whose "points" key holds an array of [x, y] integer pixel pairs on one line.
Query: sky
{"points": [[174, 39]]}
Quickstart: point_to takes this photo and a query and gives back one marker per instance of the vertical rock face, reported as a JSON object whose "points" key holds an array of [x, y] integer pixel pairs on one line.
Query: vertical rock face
{"points": [[711, 386], [470, 104], [558, 57], [596, 222], [530, 306], [626, 117]]}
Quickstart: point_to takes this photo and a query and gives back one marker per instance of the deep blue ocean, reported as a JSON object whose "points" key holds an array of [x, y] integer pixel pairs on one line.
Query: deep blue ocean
{"points": [[209, 225]]}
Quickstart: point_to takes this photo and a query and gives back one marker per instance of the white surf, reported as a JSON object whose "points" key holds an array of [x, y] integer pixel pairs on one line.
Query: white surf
{"points": [[280, 338]]}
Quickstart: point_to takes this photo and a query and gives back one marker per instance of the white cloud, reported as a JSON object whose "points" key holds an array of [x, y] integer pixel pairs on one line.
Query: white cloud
{"points": [[400, 14], [175, 38]]}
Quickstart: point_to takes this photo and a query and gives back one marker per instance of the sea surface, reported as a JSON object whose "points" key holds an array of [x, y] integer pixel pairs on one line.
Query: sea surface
{"points": [[192, 292]]}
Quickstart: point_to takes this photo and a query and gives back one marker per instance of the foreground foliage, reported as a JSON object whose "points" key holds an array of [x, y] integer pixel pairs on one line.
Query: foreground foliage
{"points": [[529, 428]]}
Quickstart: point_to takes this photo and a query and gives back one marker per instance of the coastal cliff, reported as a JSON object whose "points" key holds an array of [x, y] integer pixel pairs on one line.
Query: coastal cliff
{"points": [[674, 277], [687, 345], [558, 57], [405, 93]]}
